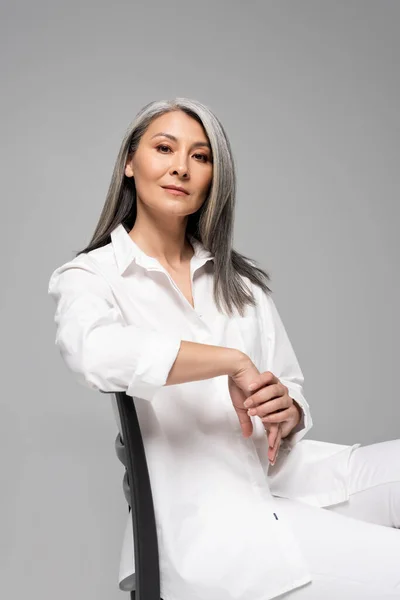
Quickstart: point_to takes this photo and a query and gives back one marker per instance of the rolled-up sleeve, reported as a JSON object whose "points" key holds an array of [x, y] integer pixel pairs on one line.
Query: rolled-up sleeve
{"points": [[97, 345], [284, 364]]}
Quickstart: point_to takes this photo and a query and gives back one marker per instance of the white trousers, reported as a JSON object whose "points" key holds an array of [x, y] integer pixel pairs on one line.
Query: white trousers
{"points": [[353, 548]]}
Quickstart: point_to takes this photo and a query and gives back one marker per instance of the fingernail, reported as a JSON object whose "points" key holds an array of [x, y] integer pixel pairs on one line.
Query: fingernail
{"points": [[252, 386]]}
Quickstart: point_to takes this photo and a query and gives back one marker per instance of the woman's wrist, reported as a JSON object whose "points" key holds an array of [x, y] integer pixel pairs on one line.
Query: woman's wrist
{"points": [[195, 362]]}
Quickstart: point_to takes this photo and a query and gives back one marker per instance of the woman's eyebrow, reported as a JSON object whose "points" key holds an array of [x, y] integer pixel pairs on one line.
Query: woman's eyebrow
{"points": [[174, 139]]}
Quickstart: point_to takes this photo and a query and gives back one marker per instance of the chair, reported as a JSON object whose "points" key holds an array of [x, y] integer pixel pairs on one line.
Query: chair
{"points": [[145, 584]]}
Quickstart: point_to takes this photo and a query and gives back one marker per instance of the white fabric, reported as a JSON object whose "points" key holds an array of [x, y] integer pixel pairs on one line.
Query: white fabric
{"points": [[348, 558], [354, 554], [120, 321], [374, 487]]}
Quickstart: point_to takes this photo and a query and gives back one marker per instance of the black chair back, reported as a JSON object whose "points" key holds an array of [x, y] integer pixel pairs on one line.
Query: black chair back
{"points": [[137, 490]]}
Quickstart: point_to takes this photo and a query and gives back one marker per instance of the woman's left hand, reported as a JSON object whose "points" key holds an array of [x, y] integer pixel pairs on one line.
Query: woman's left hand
{"points": [[279, 413]]}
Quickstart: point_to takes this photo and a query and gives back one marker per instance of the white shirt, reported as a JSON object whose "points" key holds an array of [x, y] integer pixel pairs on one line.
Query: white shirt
{"points": [[120, 321]]}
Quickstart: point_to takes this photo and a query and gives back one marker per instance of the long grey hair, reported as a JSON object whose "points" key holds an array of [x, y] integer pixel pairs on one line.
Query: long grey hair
{"points": [[212, 224]]}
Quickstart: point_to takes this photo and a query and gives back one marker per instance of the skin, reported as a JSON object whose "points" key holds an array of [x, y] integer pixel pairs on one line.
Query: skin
{"points": [[270, 402], [161, 220], [279, 412], [160, 230]]}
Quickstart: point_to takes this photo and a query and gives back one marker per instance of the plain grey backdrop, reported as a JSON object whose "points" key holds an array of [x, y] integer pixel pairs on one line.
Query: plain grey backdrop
{"points": [[308, 92]]}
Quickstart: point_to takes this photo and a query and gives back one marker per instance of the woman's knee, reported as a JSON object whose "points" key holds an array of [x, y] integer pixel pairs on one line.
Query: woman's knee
{"points": [[379, 505], [374, 464]]}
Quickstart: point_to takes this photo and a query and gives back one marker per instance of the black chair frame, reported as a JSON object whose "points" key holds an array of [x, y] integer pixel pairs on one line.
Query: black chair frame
{"points": [[137, 488]]}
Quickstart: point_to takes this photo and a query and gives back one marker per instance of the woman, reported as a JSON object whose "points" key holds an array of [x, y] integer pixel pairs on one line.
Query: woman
{"points": [[159, 305]]}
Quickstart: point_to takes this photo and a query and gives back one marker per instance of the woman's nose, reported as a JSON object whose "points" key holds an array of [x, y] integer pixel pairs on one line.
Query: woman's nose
{"points": [[180, 168], [179, 163]]}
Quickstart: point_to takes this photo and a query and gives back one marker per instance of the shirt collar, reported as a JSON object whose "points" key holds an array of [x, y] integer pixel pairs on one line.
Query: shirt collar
{"points": [[126, 251]]}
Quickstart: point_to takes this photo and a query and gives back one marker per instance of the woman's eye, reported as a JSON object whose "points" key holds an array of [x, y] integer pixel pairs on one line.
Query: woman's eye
{"points": [[203, 157], [163, 146]]}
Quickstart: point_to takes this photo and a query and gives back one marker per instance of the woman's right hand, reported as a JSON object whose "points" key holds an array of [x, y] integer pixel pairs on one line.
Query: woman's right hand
{"points": [[238, 384]]}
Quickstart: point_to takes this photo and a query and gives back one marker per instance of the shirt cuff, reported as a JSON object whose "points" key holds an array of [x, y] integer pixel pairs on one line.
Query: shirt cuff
{"points": [[305, 423], [157, 357]]}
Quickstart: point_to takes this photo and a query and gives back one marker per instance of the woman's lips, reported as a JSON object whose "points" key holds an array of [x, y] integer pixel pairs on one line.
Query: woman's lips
{"points": [[175, 192]]}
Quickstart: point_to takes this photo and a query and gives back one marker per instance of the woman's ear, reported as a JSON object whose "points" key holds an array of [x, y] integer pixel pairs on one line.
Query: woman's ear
{"points": [[128, 166], [128, 169]]}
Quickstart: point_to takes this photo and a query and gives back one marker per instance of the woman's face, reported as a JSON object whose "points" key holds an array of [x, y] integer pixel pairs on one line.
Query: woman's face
{"points": [[160, 161]]}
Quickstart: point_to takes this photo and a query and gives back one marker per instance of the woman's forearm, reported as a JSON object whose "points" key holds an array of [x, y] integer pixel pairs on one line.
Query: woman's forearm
{"points": [[202, 361]]}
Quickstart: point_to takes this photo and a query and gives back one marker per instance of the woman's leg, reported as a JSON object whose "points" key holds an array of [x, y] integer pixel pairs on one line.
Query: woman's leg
{"points": [[348, 559], [374, 485]]}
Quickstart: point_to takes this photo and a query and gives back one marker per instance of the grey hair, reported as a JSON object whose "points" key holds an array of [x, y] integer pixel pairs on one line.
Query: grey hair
{"points": [[212, 224]]}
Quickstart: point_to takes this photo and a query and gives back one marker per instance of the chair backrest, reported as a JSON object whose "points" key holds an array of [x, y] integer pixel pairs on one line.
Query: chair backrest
{"points": [[137, 490]]}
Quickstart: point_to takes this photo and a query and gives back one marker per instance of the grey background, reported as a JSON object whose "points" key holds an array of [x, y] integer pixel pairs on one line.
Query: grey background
{"points": [[309, 95]]}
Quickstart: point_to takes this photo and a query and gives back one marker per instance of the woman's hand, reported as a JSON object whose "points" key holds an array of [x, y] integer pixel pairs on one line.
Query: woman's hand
{"points": [[238, 385], [270, 401]]}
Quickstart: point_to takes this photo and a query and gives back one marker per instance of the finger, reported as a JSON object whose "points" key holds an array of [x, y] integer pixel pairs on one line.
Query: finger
{"points": [[270, 406], [266, 394], [237, 397], [272, 434], [245, 422], [277, 445], [277, 417], [278, 438], [272, 454], [261, 380]]}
